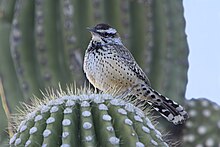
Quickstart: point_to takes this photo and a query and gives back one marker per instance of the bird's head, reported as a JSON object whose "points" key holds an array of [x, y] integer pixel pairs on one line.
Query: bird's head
{"points": [[104, 32]]}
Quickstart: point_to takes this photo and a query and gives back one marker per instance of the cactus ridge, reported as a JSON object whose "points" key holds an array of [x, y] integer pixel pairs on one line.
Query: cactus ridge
{"points": [[86, 119], [21, 41], [203, 126]]}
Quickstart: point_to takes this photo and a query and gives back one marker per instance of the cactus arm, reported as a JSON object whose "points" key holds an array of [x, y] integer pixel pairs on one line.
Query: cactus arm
{"points": [[97, 11], [177, 51], [202, 128], [6, 10], [149, 38], [159, 44], [111, 10], [72, 56], [137, 30], [40, 43], [125, 21], [83, 19], [22, 47], [8, 79], [167, 49], [67, 35], [51, 41], [7, 71]]}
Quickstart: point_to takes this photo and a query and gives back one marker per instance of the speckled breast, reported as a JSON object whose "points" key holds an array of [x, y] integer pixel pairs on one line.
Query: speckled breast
{"points": [[106, 72]]}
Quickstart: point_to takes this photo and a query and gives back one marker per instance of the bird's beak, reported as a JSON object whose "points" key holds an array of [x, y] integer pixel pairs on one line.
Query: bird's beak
{"points": [[92, 30]]}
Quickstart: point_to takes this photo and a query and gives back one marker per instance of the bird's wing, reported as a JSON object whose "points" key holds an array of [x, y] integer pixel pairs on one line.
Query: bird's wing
{"points": [[127, 58]]}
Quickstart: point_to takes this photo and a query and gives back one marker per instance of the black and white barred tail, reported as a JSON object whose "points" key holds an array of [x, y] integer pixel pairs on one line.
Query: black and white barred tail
{"points": [[169, 109]]}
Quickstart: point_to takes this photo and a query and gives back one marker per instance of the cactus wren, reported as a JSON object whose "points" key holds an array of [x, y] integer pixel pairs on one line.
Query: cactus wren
{"points": [[108, 65]]}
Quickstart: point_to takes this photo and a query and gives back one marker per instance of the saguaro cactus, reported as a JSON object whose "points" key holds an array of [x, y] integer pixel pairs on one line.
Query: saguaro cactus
{"points": [[48, 40], [85, 120], [203, 127]]}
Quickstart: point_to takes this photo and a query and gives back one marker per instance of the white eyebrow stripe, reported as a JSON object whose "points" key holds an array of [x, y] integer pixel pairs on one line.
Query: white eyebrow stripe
{"points": [[110, 31]]}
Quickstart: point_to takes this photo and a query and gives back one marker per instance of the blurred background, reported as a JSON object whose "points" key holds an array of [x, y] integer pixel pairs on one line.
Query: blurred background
{"points": [[42, 43]]}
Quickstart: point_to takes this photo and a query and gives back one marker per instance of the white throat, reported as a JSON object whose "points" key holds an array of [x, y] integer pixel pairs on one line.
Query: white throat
{"points": [[97, 38]]}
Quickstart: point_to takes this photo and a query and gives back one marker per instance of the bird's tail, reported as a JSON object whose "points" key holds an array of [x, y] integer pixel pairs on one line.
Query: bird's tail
{"points": [[169, 109]]}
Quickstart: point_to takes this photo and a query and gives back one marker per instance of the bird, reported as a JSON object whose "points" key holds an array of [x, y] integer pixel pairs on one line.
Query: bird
{"points": [[109, 65]]}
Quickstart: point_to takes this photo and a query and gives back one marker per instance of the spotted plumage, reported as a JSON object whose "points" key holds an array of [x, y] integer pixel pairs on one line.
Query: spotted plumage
{"points": [[109, 65]]}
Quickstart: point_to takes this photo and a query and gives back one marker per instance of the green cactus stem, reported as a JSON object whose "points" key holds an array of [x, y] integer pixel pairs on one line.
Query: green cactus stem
{"points": [[111, 11], [137, 30], [7, 78], [168, 44], [72, 55], [85, 120], [203, 126], [22, 44], [159, 43], [83, 19], [177, 50], [48, 40], [7, 10], [166, 50], [48, 43]]}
